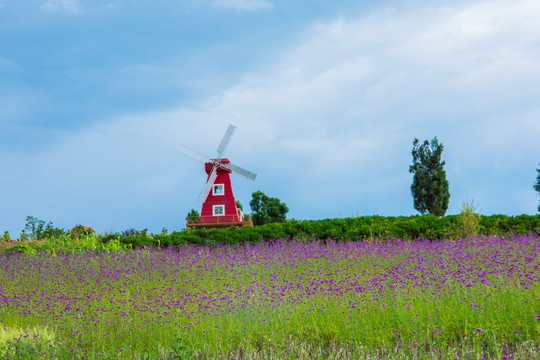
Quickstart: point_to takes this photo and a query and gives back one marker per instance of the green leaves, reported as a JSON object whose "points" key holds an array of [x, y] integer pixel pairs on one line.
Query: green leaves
{"points": [[430, 189], [39, 229], [468, 220], [193, 216], [267, 209]]}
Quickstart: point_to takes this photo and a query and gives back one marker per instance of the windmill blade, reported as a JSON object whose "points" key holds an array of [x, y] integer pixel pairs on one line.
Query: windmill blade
{"points": [[240, 171], [209, 184], [193, 154], [225, 141]]}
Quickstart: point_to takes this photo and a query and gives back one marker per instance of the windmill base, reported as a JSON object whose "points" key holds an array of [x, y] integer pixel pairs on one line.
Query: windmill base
{"points": [[217, 222]]}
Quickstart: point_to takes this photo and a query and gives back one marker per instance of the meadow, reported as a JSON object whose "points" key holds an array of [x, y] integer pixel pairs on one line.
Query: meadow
{"points": [[474, 297]]}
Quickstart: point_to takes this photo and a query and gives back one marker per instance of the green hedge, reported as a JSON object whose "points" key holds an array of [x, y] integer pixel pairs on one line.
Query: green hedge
{"points": [[358, 228]]}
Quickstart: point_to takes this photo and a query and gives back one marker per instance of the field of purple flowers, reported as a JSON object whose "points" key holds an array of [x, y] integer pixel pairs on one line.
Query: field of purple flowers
{"points": [[469, 298]]}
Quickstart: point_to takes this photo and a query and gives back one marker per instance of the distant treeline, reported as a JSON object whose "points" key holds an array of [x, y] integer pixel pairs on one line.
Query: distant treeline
{"points": [[358, 228]]}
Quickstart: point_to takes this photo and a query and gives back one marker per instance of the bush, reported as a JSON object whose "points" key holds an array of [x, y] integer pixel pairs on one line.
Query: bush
{"points": [[468, 220], [39, 229], [6, 236], [426, 226], [193, 216], [79, 231], [20, 248], [133, 232]]}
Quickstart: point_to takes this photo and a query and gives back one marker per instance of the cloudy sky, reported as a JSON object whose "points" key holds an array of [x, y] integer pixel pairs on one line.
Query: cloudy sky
{"points": [[328, 96]]}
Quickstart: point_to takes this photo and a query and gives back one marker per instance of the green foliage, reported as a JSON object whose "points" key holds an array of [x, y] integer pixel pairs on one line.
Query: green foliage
{"points": [[35, 228], [468, 220], [16, 343], [537, 185], [23, 236], [360, 228], [6, 236], [79, 231], [53, 232], [134, 232], [363, 228], [239, 205], [430, 189], [193, 216], [21, 248], [267, 209], [180, 350], [39, 229]]}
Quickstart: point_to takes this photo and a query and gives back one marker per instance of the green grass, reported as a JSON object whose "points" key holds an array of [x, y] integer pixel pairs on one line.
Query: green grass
{"points": [[277, 301]]}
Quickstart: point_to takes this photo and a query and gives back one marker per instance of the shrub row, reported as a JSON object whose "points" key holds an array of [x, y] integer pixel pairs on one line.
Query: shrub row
{"points": [[358, 228]]}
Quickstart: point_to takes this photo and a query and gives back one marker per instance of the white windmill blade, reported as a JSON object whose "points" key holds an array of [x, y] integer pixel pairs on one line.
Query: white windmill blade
{"points": [[209, 184], [225, 141], [240, 171], [193, 154]]}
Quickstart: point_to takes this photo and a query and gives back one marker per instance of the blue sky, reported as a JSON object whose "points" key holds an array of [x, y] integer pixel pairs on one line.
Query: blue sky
{"points": [[328, 96]]}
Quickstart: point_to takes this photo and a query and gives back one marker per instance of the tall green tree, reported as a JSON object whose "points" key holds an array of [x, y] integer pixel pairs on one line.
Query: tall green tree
{"points": [[430, 189], [267, 209], [537, 185]]}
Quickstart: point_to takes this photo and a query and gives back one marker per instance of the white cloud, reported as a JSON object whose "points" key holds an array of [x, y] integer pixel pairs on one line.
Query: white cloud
{"points": [[345, 103], [245, 5], [65, 6]]}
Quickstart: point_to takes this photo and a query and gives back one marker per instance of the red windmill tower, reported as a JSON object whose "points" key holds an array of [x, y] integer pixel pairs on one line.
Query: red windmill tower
{"points": [[219, 205]]}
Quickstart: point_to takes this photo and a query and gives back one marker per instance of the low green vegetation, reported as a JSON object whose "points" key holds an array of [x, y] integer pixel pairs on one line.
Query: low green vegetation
{"points": [[466, 298], [363, 228], [468, 221], [418, 287]]}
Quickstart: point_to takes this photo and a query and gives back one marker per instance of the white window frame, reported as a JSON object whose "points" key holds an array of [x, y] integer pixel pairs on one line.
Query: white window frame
{"points": [[214, 210], [214, 189]]}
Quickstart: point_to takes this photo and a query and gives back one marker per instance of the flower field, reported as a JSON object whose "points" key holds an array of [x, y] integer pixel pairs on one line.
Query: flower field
{"points": [[469, 298]]}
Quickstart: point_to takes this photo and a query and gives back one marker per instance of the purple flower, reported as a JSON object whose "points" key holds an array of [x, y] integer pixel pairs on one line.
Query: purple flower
{"points": [[479, 330]]}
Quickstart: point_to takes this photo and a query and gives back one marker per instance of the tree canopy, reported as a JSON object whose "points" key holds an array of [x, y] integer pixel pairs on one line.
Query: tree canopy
{"points": [[267, 209], [430, 188]]}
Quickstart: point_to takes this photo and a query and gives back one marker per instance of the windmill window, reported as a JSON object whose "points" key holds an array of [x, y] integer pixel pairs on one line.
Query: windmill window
{"points": [[219, 210], [218, 189]]}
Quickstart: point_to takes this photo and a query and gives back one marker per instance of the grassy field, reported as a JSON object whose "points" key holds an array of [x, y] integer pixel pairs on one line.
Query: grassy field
{"points": [[470, 298]]}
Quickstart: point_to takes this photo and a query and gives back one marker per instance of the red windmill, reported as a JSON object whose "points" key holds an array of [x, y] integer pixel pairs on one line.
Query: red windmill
{"points": [[219, 205]]}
